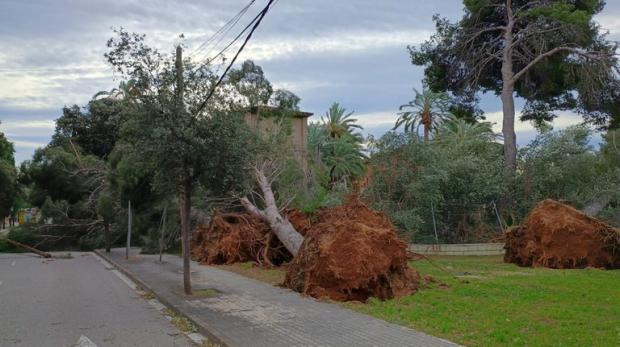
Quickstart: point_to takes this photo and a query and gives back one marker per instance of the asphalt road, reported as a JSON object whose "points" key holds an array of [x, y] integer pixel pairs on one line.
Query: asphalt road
{"points": [[75, 302]]}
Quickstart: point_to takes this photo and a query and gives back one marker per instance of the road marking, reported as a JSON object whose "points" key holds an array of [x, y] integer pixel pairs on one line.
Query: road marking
{"points": [[84, 341], [0, 283], [13, 263], [118, 274]]}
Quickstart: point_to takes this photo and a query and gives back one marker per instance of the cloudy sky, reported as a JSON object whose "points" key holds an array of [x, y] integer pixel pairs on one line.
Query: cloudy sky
{"points": [[350, 51]]}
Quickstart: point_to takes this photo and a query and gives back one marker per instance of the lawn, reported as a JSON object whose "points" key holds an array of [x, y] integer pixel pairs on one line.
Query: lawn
{"points": [[490, 303]]}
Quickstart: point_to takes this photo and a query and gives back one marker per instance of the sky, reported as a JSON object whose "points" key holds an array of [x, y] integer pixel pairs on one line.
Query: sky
{"points": [[349, 51]]}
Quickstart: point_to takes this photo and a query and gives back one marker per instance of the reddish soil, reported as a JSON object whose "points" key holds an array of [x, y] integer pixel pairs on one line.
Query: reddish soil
{"points": [[349, 253], [558, 236], [237, 237], [352, 253]]}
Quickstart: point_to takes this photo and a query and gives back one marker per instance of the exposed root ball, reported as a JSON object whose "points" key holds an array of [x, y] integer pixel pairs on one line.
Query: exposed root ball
{"points": [[237, 237], [353, 253], [558, 236]]}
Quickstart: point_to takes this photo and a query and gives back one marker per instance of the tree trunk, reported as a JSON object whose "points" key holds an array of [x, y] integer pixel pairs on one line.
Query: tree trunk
{"points": [[426, 133], [185, 203], [507, 97], [108, 239], [508, 128], [281, 227]]}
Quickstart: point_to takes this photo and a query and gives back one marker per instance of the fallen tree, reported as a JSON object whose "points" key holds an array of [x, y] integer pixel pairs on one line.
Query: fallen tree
{"points": [[28, 248], [556, 235], [280, 225], [349, 253]]}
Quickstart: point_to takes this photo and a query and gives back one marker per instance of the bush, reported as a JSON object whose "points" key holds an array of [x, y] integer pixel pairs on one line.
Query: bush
{"points": [[454, 178]]}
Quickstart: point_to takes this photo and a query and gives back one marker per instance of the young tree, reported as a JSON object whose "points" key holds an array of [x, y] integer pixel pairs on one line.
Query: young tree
{"points": [[185, 142], [106, 209], [551, 53], [428, 109]]}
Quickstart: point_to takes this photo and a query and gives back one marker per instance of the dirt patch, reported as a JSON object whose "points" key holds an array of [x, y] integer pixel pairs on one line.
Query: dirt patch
{"points": [[352, 253], [237, 237], [556, 235]]}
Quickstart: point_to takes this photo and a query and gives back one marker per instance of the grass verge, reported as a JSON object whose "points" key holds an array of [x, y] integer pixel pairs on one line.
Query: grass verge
{"points": [[491, 303]]}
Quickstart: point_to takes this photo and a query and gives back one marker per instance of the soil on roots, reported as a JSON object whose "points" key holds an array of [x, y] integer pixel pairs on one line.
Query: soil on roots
{"points": [[237, 237], [241, 237], [352, 253], [558, 236]]}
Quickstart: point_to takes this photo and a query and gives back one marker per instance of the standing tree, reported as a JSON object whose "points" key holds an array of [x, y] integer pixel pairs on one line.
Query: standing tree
{"points": [[185, 143], [8, 177], [428, 109], [340, 146], [549, 52], [106, 209], [339, 123]]}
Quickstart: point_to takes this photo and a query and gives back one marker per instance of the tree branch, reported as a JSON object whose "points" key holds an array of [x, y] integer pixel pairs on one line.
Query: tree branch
{"points": [[590, 55]]}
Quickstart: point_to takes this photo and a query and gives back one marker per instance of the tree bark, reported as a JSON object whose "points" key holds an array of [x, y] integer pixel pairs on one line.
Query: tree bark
{"points": [[31, 249], [108, 239], [426, 133], [507, 96], [281, 227], [185, 203]]}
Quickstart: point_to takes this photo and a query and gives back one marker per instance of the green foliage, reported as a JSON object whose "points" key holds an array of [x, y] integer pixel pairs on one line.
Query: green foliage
{"points": [[250, 82], [339, 123], [563, 165], [8, 177], [455, 177], [94, 129], [336, 144], [106, 207], [465, 58], [427, 109]]}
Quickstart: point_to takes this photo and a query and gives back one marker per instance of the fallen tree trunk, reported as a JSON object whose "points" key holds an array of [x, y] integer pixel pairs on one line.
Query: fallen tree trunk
{"points": [[31, 249], [282, 227]]}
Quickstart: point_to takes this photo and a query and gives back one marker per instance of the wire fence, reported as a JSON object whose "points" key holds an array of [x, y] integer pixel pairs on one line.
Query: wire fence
{"points": [[458, 222]]}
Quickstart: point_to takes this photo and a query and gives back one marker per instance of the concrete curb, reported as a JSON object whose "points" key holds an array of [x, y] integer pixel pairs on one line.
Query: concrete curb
{"points": [[212, 336]]}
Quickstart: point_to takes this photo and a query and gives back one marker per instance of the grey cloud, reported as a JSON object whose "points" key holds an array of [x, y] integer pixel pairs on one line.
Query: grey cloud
{"points": [[58, 46]]}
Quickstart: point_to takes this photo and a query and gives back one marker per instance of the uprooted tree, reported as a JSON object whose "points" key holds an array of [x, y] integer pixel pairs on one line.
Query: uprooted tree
{"points": [[348, 252], [281, 226]]}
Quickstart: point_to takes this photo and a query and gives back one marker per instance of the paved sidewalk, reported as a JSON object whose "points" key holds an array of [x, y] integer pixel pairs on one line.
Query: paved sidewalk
{"points": [[246, 312]]}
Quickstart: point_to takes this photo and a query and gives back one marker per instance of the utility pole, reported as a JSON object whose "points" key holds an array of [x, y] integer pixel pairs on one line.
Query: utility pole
{"points": [[185, 197], [128, 230]]}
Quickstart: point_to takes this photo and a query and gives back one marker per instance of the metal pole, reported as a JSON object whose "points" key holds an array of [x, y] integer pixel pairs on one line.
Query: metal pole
{"points": [[163, 231], [128, 230], [499, 218], [434, 224]]}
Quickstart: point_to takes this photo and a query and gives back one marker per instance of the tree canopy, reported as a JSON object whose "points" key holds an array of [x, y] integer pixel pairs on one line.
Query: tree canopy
{"points": [[550, 53]]}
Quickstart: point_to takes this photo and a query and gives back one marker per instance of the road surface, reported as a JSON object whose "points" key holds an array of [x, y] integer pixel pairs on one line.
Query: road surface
{"points": [[75, 302]]}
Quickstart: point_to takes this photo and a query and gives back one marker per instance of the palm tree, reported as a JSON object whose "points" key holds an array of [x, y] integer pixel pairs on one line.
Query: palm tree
{"points": [[344, 158], [339, 123], [459, 130], [427, 109], [124, 90]]}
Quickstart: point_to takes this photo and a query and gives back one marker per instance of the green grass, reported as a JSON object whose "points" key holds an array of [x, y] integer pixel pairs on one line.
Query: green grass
{"points": [[497, 304]]}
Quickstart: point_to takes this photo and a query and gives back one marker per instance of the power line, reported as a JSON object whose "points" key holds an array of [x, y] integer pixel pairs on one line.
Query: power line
{"points": [[261, 15], [224, 29], [234, 40]]}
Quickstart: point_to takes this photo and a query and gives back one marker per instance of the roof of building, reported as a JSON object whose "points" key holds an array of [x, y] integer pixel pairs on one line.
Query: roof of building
{"points": [[296, 114]]}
